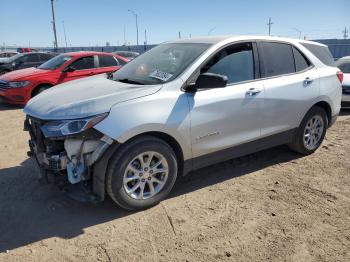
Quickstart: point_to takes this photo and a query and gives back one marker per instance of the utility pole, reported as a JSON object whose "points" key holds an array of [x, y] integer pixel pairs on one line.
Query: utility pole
{"points": [[54, 24], [64, 31], [345, 33], [270, 23], [137, 26], [145, 37]]}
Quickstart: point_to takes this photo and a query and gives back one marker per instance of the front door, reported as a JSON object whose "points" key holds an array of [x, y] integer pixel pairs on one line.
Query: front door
{"points": [[82, 67], [226, 122]]}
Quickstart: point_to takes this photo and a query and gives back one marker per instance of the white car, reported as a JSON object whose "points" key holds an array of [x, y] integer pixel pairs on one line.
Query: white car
{"points": [[344, 65], [182, 106]]}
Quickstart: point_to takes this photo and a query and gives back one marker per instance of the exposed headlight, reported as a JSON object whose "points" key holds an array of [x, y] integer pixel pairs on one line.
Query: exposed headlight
{"points": [[70, 127], [18, 84]]}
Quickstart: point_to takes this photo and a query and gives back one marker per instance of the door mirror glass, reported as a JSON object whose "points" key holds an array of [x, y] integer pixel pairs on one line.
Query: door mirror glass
{"points": [[210, 80]]}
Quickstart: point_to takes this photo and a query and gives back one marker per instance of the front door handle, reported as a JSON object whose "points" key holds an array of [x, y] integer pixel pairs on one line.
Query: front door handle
{"points": [[308, 81], [253, 92]]}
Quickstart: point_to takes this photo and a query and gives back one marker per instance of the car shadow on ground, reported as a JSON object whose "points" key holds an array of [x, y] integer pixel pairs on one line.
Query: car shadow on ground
{"points": [[345, 111], [31, 213], [5, 107]]}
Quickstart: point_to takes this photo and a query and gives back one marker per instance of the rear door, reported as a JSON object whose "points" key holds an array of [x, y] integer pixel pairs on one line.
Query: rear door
{"points": [[106, 64], [291, 84], [83, 67]]}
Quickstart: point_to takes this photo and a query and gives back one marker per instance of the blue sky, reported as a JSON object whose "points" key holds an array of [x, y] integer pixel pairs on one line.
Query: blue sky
{"points": [[91, 22]]}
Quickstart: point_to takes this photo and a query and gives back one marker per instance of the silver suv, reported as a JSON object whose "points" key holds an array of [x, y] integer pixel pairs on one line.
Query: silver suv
{"points": [[179, 107]]}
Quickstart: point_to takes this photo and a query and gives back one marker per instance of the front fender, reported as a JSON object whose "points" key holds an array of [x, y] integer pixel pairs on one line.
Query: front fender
{"points": [[165, 111]]}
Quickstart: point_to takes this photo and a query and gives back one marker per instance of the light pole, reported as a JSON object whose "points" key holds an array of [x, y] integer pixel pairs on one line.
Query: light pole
{"points": [[54, 24], [296, 29], [64, 31], [137, 26]]}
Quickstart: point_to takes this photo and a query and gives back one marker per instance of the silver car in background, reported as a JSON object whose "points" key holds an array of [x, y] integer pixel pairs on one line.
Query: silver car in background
{"points": [[344, 65], [179, 107]]}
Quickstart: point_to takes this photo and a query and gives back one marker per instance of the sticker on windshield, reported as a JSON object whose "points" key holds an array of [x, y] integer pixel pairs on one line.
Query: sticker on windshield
{"points": [[160, 75]]}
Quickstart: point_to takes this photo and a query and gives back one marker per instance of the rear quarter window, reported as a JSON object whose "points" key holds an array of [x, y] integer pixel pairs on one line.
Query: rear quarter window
{"points": [[321, 52]]}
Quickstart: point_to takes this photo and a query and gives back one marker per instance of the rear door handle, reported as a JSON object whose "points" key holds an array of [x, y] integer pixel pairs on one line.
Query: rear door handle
{"points": [[308, 81], [253, 92]]}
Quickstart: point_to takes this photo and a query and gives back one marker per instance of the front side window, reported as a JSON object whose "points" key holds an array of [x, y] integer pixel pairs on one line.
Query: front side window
{"points": [[106, 61], [161, 64], [84, 63], [278, 59], [235, 62], [55, 62]]}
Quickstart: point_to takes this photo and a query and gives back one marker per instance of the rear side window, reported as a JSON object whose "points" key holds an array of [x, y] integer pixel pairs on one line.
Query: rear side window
{"points": [[301, 63], [278, 59], [345, 67], [45, 57], [84, 63], [321, 52], [33, 58], [106, 61]]}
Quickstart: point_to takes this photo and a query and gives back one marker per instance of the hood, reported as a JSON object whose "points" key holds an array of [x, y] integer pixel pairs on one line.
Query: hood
{"points": [[23, 73], [85, 97]]}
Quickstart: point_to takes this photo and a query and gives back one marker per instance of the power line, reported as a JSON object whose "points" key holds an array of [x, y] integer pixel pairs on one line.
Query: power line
{"points": [[270, 23]]}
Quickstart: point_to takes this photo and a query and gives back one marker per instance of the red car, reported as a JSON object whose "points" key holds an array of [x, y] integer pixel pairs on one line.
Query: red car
{"points": [[19, 86]]}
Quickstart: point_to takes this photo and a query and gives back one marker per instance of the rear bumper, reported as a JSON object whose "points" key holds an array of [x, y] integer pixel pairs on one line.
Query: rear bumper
{"points": [[17, 96], [345, 98]]}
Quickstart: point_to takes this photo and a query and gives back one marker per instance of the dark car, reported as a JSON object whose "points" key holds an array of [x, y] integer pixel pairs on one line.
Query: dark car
{"points": [[25, 60], [127, 54]]}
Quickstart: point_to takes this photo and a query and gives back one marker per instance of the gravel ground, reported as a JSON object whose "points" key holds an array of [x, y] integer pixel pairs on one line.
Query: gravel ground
{"points": [[273, 205]]}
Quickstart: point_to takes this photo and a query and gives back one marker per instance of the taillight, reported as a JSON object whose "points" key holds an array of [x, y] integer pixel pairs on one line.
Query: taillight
{"points": [[340, 76]]}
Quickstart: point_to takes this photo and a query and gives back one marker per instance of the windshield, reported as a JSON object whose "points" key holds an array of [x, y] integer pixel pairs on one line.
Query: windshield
{"points": [[160, 64], [55, 62]]}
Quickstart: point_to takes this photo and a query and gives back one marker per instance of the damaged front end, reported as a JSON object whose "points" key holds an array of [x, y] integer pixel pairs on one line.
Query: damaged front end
{"points": [[66, 152]]}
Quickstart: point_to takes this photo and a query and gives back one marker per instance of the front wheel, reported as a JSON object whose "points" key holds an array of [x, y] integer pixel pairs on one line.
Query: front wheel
{"points": [[142, 173], [311, 132]]}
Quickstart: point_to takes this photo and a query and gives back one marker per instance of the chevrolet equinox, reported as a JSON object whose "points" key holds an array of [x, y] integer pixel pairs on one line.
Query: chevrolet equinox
{"points": [[181, 106]]}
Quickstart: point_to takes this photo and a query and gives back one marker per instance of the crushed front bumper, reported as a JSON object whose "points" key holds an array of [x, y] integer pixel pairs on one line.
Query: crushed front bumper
{"points": [[70, 162]]}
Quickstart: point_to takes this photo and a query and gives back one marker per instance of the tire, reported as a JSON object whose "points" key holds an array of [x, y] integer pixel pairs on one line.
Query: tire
{"points": [[40, 89], [125, 166], [299, 143]]}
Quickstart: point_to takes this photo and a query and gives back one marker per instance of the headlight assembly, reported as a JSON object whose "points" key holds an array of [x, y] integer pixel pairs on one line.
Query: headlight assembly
{"points": [[18, 84], [70, 127]]}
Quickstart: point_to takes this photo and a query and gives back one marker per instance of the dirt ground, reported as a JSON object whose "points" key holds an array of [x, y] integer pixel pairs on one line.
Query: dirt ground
{"points": [[270, 206]]}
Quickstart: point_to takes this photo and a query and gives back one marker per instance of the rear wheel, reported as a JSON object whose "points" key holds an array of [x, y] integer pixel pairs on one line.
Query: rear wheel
{"points": [[311, 132], [142, 173]]}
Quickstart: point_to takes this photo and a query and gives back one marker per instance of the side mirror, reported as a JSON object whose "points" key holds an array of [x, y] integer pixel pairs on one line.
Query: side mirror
{"points": [[68, 69], [209, 80]]}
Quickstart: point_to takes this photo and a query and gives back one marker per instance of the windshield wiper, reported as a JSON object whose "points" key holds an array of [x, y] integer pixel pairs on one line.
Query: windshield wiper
{"points": [[129, 81]]}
